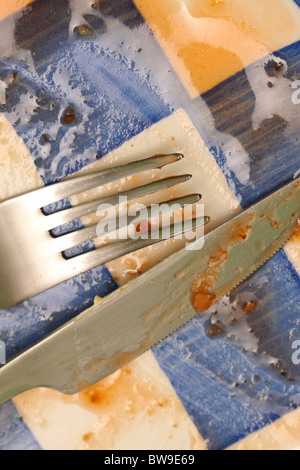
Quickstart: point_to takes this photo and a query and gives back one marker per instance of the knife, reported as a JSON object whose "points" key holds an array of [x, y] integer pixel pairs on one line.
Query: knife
{"points": [[136, 317]]}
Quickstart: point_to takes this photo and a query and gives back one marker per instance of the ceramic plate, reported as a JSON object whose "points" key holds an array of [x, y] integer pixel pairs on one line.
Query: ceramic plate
{"points": [[87, 85]]}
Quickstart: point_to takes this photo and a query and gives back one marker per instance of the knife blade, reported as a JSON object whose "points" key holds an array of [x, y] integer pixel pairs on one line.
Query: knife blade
{"points": [[139, 315]]}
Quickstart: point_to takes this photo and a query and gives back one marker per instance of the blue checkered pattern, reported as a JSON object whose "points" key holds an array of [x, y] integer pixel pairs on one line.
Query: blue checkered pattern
{"points": [[227, 391]]}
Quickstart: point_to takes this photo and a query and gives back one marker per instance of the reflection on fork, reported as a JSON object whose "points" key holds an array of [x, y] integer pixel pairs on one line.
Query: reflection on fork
{"points": [[34, 256]]}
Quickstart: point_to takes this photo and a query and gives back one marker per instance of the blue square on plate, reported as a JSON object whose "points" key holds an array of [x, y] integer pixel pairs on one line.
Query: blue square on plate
{"points": [[80, 81]]}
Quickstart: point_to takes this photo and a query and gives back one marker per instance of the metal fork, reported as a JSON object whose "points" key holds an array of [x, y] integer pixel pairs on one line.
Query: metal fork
{"points": [[32, 259]]}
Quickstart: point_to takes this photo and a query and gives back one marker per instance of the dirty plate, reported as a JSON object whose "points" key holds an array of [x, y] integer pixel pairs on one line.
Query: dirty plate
{"points": [[86, 85]]}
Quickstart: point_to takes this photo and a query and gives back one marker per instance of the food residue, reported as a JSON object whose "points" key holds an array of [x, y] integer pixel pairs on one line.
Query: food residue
{"points": [[203, 295], [121, 411], [297, 185], [250, 306], [69, 116], [84, 30], [214, 330], [240, 232]]}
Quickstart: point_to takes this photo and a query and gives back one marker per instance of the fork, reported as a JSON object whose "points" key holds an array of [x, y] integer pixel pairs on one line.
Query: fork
{"points": [[33, 259]]}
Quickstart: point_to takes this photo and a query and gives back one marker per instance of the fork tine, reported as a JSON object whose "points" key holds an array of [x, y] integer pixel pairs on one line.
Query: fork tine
{"points": [[60, 218], [65, 189], [90, 260], [65, 242]]}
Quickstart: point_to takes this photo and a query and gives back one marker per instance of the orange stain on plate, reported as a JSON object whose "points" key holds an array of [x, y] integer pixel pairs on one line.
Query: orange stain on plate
{"points": [[130, 406], [8, 7], [208, 41]]}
